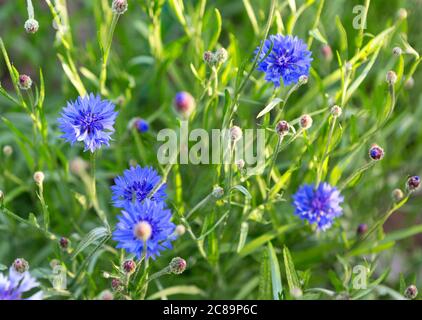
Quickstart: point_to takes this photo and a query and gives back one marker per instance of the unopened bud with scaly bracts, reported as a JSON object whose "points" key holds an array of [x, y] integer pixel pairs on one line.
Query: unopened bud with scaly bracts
{"points": [[31, 26], [177, 265], [305, 121]]}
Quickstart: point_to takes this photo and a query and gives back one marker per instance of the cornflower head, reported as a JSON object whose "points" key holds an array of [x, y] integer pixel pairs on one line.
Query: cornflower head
{"points": [[17, 284], [89, 120], [284, 57], [144, 229]]}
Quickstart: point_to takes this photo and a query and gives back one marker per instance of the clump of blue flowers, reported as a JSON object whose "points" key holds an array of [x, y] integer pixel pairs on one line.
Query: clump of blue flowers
{"points": [[17, 284], [135, 185], [89, 120], [319, 205], [289, 59], [144, 228]]}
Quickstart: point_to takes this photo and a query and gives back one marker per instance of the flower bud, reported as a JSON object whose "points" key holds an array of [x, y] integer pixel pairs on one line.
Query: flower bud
{"points": [[409, 83], [54, 263], [184, 103], [327, 53], [376, 152], [39, 177], [1, 197], [177, 265], [336, 111], [218, 192], [143, 231], [7, 150], [106, 295], [116, 284], [221, 55], [348, 66], [240, 164], [31, 26], [305, 121], [129, 266], [208, 57], [413, 183], [282, 127], [397, 51], [180, 230], [25, 82], [391, 77], [141, 125], [235, 133], [296, 292], [411, 292], [303, 79], [397, 194], [20, 265], [106, 275], [64, 243], [362, 229], [119, 6], [402, 14], [78, 165]]}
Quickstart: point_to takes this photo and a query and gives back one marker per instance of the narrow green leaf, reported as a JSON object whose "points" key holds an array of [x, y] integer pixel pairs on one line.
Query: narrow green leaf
{"points": [[275, 273]]}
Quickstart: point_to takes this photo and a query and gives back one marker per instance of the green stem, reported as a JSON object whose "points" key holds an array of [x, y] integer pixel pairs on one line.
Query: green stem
{"points": [[327, 147], [106, 54], [275, 154]]}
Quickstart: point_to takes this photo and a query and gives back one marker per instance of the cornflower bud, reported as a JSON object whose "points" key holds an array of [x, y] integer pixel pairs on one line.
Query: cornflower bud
{"points": [[376, 152], [39, 177], [397, 194], [142, 231], [336, 111], [78, 165], [282, 127], [184, 103], [106, 295], [305, 121], [141, 125], [327, 53], [1, 197], [31, 25], [221, 55], [362, 229], [25, 82], [64, 243], [20, 265], [402, 14], [177, 265], [180, 230], [7, 150], [119, 6], [411, 292], [391, 77], [235, 133], [409, 83], [116, 284], [240, 164], [129, 266], [413, 183], [208, 57], [218, 192], [397, 51], [303, 80]]}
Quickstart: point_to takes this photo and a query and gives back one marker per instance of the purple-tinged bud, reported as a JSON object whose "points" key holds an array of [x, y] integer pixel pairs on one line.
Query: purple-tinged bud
{"points": [[305, 121], [142, 231], [409, 83], [218, 192], [336, 111], [411, 292], [235, 133], [177, 265], [39, 177], [240, 164], [129, 266], [208, 57], [25, 82], [221, 55], [402, 14], [397, 51], [282, 128], [116, 284], [106, 295], [397, 194], [64, 243], [141, 125], [391, 77], [327, 53], [303, 79], [20, 265], [31, 26], [376, 152], [362, 229], [184, 103], [119, 6], [180, 230], [7, 150], [413, 183]]}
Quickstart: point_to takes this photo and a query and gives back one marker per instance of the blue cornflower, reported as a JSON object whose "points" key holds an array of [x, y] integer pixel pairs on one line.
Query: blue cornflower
{"points": [[88, 119], [318, 205], [289, 59], [135, 184], [144, 223], [142, 125], [14, 286]]}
